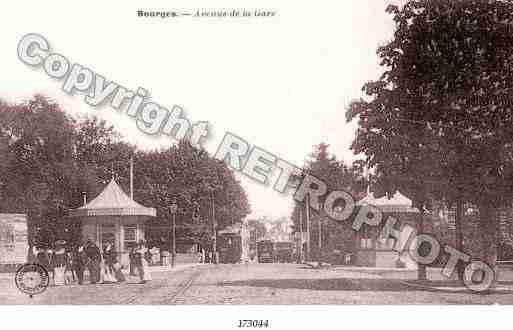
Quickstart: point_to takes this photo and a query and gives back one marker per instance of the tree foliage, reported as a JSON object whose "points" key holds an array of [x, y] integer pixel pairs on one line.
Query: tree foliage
{"points": [[194, 180], [438, 122], [49, 160], [337, 176]]}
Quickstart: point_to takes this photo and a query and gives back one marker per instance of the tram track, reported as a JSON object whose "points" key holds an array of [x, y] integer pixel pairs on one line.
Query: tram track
{"points": [[168, 292], [177, 297]]}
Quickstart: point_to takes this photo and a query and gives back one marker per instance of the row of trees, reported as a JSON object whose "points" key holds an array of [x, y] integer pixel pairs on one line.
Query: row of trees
{"points": [[49, 160], [438, 123]]}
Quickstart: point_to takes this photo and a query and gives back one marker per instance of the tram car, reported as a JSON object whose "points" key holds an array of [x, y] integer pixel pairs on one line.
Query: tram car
{"points": [[283, 252], [265, 251], [229, 246]]}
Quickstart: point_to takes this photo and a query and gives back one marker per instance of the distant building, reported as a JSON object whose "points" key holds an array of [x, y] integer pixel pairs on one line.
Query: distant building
{"points": [[280, 231], [371, 250]]}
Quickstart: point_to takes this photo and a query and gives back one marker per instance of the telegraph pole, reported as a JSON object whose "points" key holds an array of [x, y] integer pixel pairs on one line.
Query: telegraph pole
{"points": [[132, 177], [308, 227], [214, 229], [320, 239], [173, 256], [301, 235], [173, 209]]}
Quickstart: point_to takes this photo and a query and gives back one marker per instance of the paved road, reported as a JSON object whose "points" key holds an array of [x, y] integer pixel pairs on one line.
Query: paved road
{"points": [[251, 284]]}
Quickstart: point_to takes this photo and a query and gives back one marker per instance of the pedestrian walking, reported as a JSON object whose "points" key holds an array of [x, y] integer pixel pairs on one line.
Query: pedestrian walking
{"points": [[94, 259], [132, 261], [107, 266], [42, 257], [69, 272], [142, 263], [113, 271], [79, 261], [59, 262]]}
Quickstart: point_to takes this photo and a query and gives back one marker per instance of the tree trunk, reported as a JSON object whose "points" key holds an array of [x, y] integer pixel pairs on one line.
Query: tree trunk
{"points": [[488, 230], [421, 270], [460, 268]]}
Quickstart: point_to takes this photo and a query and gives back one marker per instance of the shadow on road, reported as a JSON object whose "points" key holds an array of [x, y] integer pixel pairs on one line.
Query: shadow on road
{"points": [[356, 284], [338, 284]]}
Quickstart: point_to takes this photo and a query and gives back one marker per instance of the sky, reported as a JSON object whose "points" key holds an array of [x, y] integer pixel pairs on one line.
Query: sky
{"points": [[281, 83]]}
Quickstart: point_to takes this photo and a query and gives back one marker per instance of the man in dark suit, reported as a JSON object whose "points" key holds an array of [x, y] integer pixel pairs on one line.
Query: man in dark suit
{"points": [[94, 258], [79, 262]]}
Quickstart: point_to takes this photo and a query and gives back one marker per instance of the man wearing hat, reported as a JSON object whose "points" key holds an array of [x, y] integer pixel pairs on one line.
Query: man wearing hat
{"points": [[94, 258], [79, 262]]}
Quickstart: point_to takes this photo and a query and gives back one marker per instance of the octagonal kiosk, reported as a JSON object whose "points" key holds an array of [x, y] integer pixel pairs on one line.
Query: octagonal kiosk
{"points": [[375, 252], [114, 217]]}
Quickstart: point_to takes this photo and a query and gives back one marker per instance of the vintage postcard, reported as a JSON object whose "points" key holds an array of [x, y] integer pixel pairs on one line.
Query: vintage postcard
{"points": [[257, 153]]}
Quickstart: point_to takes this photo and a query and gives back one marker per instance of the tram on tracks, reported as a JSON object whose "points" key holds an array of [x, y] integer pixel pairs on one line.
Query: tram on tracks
{"points": [[229, 246], [265, 251], [283, 252]]}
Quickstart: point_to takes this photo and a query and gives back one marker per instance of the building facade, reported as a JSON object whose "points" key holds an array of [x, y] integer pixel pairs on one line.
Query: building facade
{"points": [[371, 250]]}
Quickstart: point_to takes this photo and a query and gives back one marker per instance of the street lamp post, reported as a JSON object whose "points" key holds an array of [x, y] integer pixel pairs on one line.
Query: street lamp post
{"points": [[173, 208]]}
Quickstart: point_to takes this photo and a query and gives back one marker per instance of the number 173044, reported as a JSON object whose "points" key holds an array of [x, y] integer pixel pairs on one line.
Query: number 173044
{"points": [[253, 324]]}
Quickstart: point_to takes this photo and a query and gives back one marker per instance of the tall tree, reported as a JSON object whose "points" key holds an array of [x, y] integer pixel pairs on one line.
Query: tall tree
{"points": [[203, 187], [36, 170], [337, 176], [439, 120]]}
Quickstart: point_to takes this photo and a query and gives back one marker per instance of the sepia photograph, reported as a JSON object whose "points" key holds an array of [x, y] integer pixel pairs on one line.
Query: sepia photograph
{"points": [[273, 154]]}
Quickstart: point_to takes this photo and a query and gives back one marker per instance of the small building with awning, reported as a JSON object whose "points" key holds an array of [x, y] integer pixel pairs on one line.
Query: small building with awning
{"points": [[372, 251], [114, 217]]}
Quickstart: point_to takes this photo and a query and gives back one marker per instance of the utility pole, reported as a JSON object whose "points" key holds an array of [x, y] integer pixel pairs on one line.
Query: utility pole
{"points": [[173, 256], [301, 235], [320, 240], [173, 209], [308, 227], [214, 229], [132, 178]]}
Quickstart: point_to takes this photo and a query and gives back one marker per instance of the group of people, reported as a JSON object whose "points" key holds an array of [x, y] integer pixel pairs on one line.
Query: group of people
{"points": [[68, 265]]}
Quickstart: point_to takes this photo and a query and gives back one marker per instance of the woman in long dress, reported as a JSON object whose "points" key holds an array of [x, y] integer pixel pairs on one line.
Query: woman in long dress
{"points": [[142, 263], [108, 262], [112, 267], [59, 262]]}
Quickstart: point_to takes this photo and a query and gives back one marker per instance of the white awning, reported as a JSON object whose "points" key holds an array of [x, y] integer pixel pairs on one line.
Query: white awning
{"points": [[398, 203], [113, 202]]}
